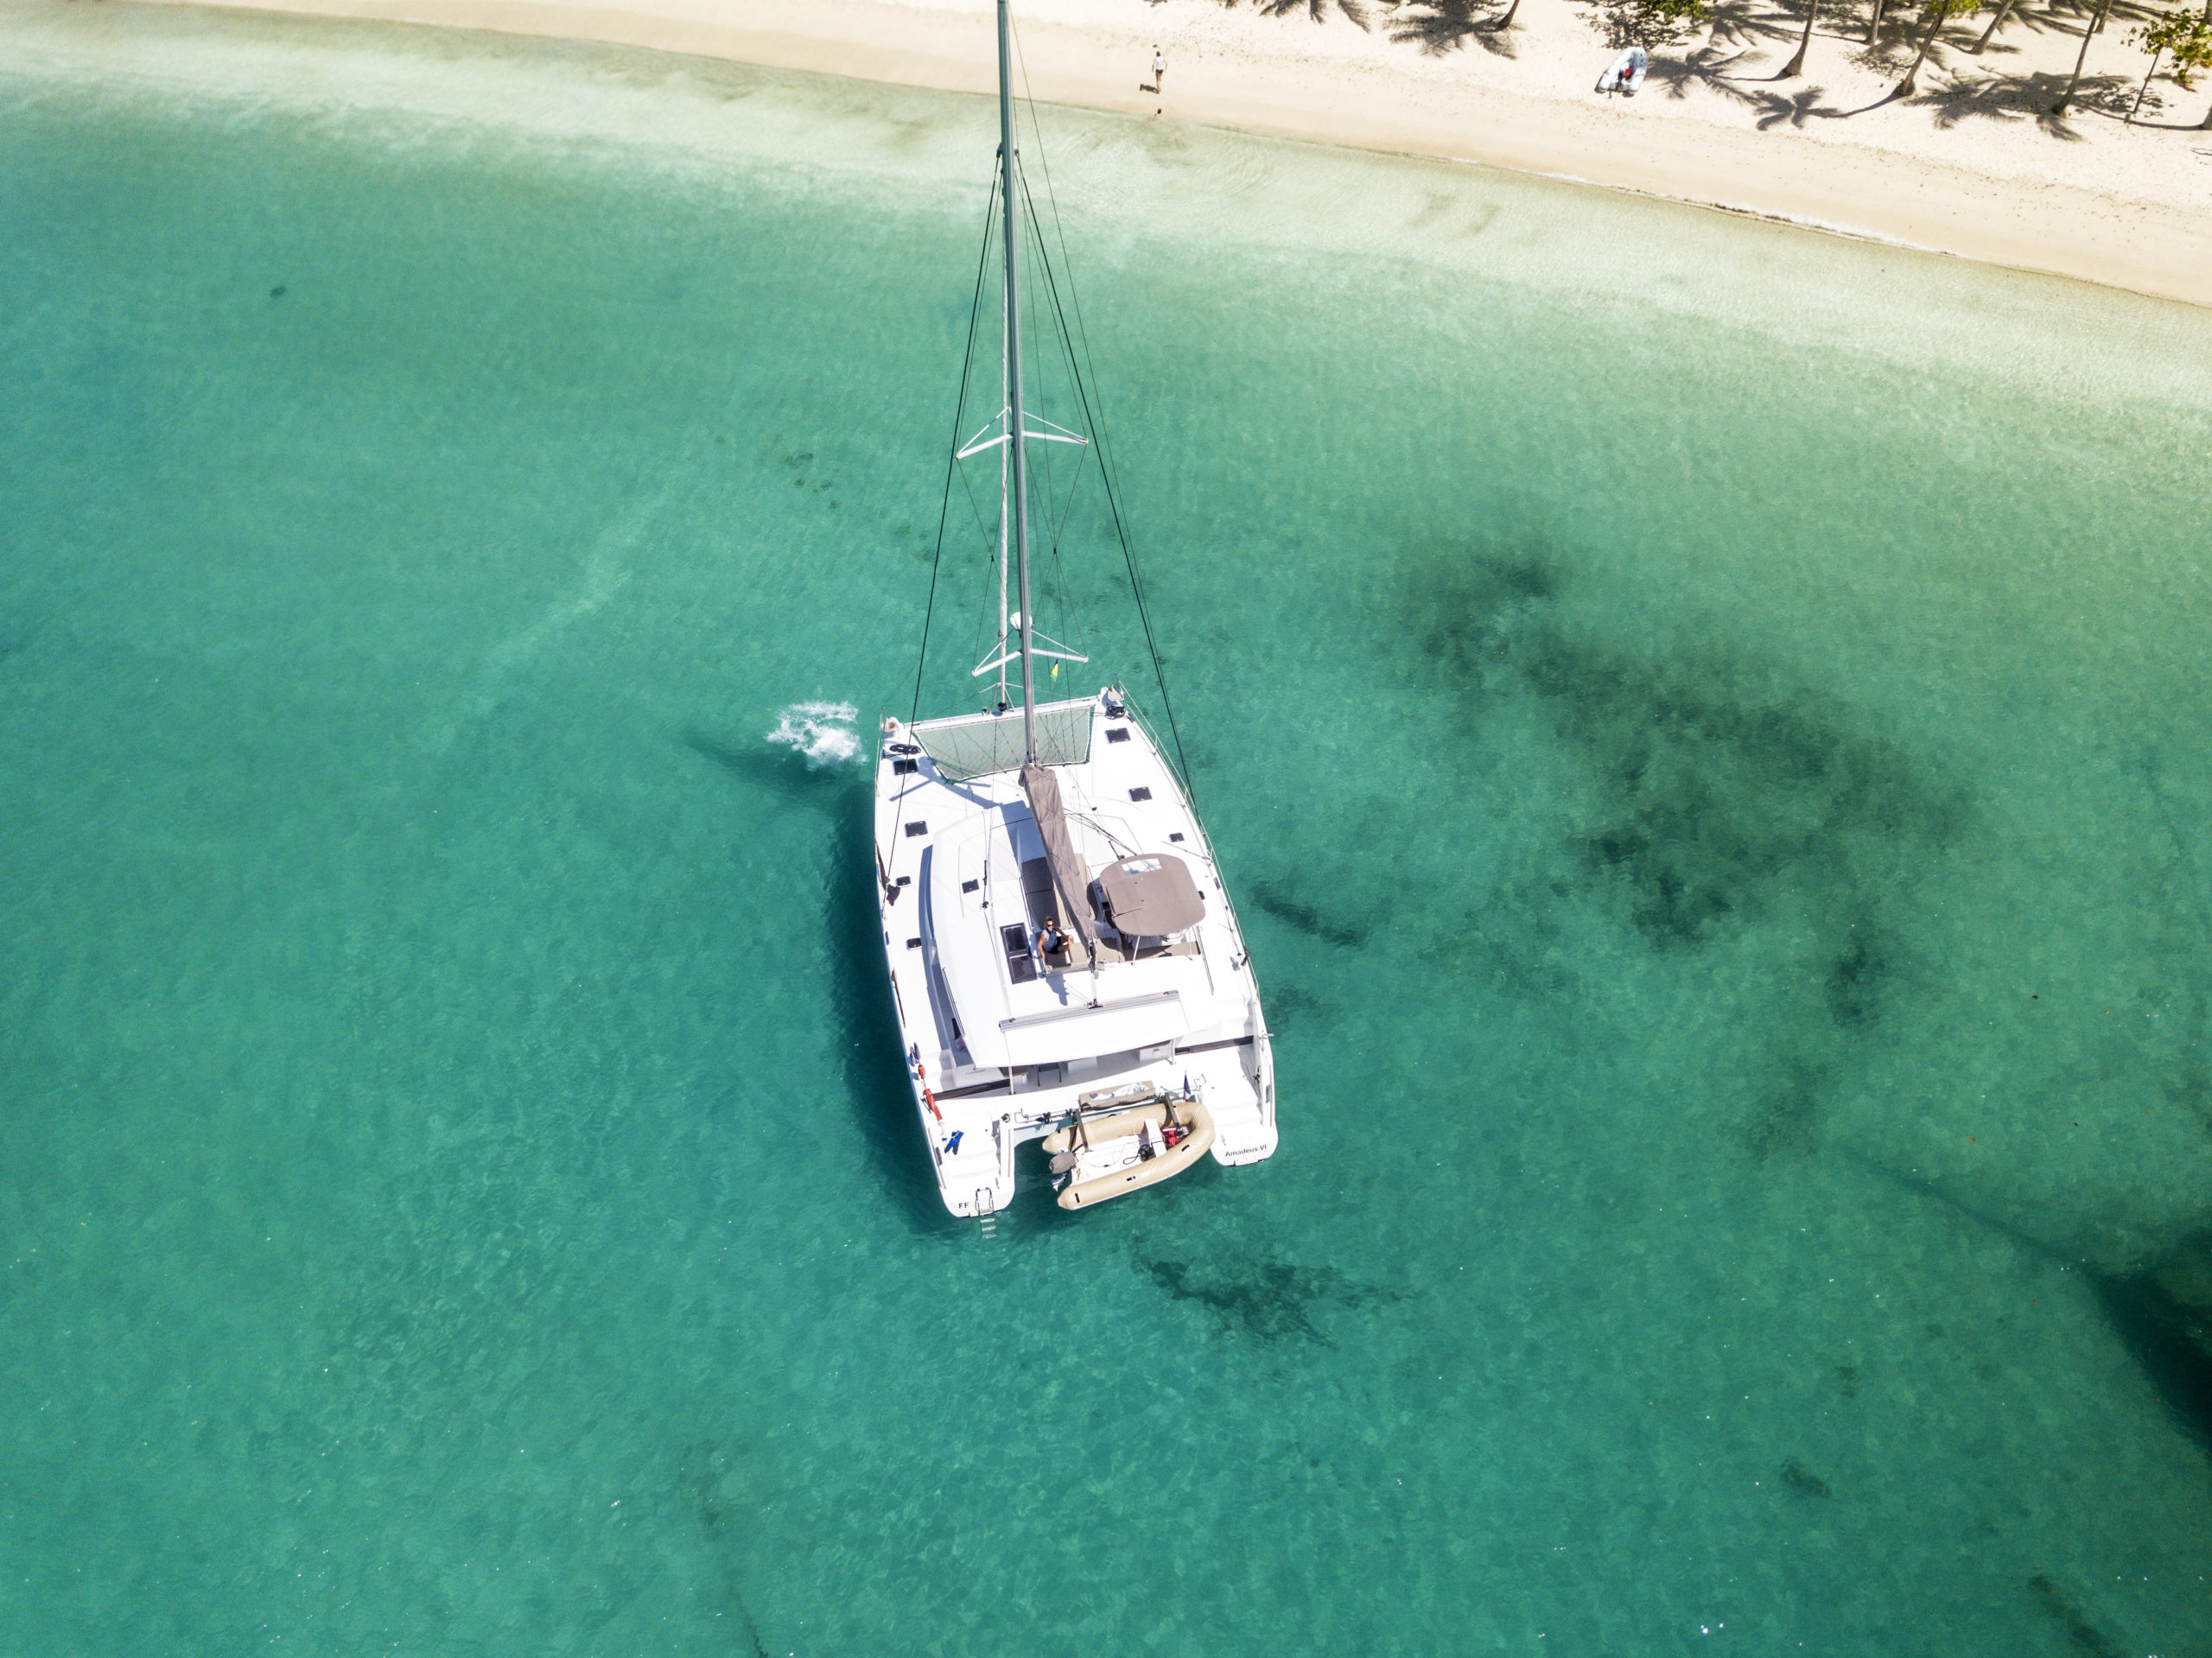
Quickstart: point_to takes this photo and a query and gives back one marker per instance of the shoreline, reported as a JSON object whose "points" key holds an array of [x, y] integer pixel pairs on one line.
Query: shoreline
{"points": [[1271, 78]]}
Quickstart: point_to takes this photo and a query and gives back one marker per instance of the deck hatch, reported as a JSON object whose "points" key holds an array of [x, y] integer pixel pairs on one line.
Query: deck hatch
{"points": [[916, 829], [1020, 965], [1139, 794], [1118, 734]]}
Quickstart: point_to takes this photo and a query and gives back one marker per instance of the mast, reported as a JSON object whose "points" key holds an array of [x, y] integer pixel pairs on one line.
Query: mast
{"points": [[1017, 461], [1005, 610]]}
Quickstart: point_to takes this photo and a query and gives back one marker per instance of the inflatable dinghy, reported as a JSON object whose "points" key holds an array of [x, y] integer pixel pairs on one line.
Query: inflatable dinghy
{"points": [[1122, 1151], [1625, 72]]}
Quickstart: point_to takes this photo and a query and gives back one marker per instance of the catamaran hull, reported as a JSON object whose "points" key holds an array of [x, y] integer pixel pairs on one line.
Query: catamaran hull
{"points": [[978, 1093]]}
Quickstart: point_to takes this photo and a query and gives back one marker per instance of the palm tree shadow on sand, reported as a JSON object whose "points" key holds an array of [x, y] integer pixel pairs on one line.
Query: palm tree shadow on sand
{"points": [[1992, 97], [1793, 108], [1442, 26], [2024, 19], [2002, 97], [1772, 108], [1318, 10], [1704, 67], [1707, 68], [1734, 23]]}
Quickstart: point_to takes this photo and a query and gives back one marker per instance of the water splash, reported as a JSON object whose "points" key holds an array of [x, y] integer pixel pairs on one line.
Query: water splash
{"points": [[821, 731]]}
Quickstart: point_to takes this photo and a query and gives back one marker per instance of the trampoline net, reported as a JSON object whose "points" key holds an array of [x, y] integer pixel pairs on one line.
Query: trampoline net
{"points": [[974, 745]]}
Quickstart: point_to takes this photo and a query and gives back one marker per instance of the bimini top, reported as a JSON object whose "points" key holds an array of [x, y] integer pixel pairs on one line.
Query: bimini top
{"points": [[1150, 895]]}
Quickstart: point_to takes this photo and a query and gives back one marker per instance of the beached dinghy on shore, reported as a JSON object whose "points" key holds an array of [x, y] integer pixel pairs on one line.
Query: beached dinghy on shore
{"points": [[1065, 962], [1625, 72]]}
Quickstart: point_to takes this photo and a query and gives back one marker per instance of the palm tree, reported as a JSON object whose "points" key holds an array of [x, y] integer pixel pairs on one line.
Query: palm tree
{"points": [[1997, 22], [2096, 21], [1874, 23], [2190, 39], [2158, 36], [1937, 12], [1797, 65]]}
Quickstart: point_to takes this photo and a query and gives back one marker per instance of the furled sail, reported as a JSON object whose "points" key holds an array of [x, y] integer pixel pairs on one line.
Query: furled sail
{"points": [[1070, 878]]}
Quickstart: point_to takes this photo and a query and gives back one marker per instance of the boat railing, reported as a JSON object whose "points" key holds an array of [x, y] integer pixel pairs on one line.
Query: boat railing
{"points": [[1263, 1058]]}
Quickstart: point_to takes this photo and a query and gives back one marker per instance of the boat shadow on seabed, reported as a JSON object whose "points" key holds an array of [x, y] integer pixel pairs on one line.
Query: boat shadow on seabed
{"points": [[879, 1102], [879, 1097]]}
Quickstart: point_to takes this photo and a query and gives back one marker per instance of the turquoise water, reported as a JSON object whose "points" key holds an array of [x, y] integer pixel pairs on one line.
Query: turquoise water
{"points": [[1706, 720]]}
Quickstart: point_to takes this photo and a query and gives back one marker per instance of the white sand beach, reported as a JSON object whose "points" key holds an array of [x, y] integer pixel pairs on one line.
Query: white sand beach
{"points": [[1973, 164]]}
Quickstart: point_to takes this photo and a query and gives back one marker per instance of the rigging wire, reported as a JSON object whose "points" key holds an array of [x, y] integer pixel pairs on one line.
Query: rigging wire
{"points": [[1108, 471], [1058, 507], [1059, 504], [1066, 507], [952, 450], [1044, 463]]}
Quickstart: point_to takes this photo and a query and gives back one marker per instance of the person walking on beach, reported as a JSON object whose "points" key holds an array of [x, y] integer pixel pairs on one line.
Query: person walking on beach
{"points": [[1159, 71]]}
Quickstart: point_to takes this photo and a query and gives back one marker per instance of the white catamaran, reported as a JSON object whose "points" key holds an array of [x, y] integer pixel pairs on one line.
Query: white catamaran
{"points": [[1065, 960]]}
